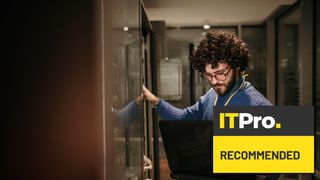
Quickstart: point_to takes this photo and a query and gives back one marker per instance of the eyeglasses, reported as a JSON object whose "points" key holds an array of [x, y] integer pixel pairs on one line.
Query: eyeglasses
{"points": [[219, 76]]}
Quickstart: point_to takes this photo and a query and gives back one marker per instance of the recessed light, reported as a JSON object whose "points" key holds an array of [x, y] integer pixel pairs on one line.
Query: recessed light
{"points": [[126, 28], [206, 26]]}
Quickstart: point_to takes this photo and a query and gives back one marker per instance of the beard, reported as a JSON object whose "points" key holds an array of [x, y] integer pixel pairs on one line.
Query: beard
{"points": [[225, 87]]}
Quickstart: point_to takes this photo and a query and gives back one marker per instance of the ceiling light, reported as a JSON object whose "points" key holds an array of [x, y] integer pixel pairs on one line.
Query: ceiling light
{"points": [[206, 26], [126, 28]]}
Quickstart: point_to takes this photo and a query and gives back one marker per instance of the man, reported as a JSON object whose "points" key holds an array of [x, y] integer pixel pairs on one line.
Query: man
{"points": [[221, 59]]}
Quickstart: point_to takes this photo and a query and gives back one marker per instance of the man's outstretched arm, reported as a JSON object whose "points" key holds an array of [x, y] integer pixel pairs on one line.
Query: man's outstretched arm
{"points": [[169, 112]]}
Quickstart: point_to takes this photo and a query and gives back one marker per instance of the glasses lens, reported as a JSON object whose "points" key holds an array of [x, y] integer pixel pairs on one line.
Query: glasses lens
{"points": [[220, 77]]}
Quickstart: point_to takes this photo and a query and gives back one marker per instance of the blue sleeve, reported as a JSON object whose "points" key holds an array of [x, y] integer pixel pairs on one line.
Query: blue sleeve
{"points": [[169, 112], [265, 103]]}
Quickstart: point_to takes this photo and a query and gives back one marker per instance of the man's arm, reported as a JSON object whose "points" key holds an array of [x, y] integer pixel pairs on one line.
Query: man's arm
{"points": [[169, 112]]}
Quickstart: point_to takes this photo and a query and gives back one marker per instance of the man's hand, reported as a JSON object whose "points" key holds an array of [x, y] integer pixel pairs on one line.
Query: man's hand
{"points": [[149, 96]]}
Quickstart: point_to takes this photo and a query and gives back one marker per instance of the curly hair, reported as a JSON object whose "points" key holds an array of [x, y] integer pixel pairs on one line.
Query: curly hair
{"points": [[220, 47]]}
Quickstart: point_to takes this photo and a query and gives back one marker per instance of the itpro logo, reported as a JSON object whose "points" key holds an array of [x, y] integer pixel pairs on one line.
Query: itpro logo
{"points": [[246, 120]]}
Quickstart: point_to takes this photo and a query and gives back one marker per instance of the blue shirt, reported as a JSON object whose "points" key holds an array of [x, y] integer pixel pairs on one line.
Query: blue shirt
{"points": [[246, 95]]}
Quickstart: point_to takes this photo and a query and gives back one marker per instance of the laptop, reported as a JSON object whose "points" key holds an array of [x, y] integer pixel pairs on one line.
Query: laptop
{"points": [[189, 149]]}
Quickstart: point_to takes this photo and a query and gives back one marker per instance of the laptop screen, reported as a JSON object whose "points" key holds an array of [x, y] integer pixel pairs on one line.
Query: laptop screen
{"points": [[188, 146], [189, 149]]}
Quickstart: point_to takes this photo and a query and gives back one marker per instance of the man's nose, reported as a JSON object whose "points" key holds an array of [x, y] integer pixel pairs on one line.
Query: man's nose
{"points": [[213, 81]]}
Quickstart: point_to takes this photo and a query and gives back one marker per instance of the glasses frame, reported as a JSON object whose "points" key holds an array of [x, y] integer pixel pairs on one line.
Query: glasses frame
{"points": [[218, 76]]}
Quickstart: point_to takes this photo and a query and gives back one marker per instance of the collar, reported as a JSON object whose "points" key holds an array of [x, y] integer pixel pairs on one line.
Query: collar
{"points": [[226, 98], [234, 88]]}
